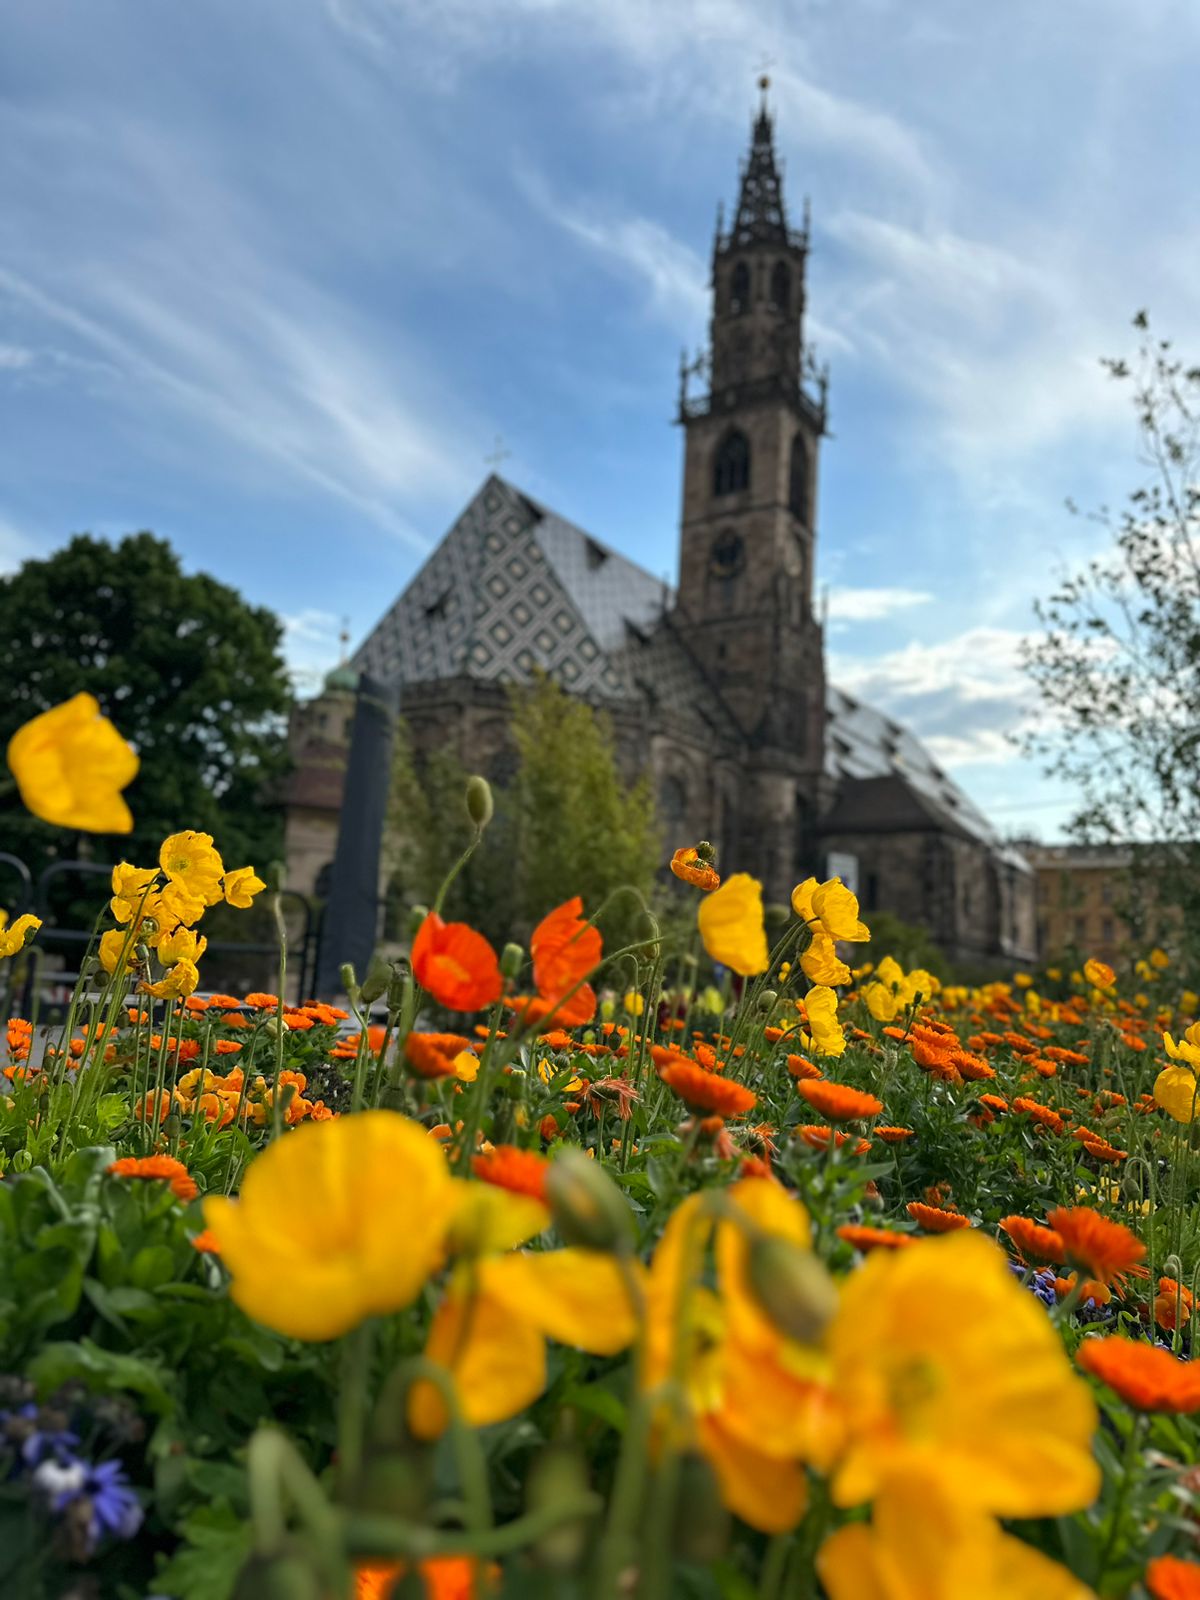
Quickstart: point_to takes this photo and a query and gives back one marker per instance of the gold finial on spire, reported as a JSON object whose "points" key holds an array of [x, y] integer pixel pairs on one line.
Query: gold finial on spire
{"points": [[343, 641]]}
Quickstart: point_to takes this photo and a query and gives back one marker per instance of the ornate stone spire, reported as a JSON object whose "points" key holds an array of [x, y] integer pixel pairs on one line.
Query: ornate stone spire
{"points": [[761, 218]]}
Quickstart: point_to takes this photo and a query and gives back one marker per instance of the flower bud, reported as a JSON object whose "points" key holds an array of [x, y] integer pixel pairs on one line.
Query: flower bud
{"points": [[707, 852], [512, 959], [415, 918], [375, 983], [700, 1529], [793, 1288], [399, 987], [588, 1207], [608, 1008], [648, 933], [349, 981], [558, 1473], [768, 1000], [776, 916], [480, 806]]}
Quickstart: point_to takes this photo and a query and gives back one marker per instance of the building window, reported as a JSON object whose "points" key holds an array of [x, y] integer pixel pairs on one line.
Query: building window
{"points": [[798, 480], [739, 289], [1106, 892], [1108, 930], [1080, 930], [871, 898], [728, 555], [672, 800], [731, 469], [781, 287]]}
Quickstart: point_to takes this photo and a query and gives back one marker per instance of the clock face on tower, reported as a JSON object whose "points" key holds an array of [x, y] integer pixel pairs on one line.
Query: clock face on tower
{"points": [[728, 555]]}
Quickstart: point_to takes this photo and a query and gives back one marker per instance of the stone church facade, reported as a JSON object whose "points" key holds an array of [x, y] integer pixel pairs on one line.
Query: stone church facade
{"points": [[718, 686]]}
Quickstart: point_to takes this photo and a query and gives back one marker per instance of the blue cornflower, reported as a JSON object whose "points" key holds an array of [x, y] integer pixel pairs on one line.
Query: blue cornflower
{"points": [[38, 1443], [112, 1505]]}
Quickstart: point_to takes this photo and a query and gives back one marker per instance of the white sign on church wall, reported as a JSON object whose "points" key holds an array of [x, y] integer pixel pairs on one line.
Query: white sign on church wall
{"points": [[838, 864]]}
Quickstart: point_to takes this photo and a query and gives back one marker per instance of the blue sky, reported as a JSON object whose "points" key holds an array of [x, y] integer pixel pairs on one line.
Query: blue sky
{"points": [[274, 276]]}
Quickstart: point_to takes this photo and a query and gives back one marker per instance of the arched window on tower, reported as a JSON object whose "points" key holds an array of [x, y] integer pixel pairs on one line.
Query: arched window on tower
{"points": [[798, 480], [731, 468], [781, 286], [672, 801], [739, 289]]}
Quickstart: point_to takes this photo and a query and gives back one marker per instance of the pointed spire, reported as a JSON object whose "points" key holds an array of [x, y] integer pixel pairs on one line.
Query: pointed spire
{"points": [[761, 217]]}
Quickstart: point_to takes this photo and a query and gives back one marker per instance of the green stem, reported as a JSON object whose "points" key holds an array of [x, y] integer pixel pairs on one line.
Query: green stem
{"points": [[353, 1393], [1129, 1461]]}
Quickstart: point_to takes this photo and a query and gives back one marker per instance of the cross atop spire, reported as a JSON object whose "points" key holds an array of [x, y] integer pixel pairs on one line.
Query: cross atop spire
{"points": [[761, 218]]}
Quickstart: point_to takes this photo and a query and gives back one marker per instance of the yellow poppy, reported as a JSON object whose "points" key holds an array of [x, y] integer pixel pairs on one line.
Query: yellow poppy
{"points": [[1099, 973], [945, 1366], [181, 944], [1159, 959], [130, 886], [241, 885], [731, 925], [833, 906], [821, 1006], [924, 1542], [1177, 1093], [821, 964], [17, 936], [71, 764], [321, 1236], [1188, 1048], [181, 980], [116, 947], [190, 860]]}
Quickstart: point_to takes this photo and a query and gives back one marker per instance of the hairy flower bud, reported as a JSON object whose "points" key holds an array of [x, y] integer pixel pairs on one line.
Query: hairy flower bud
{"points": [[415, 918], [793, 1288], [374, 985], [512, 959], [349, 981], [647, 933], [768, 1000], [706, 851], [480, 806], [588, 1207]]}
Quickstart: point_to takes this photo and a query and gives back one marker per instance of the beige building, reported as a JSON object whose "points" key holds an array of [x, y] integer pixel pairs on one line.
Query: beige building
{"points": [[1085, 902], [717, 685]]}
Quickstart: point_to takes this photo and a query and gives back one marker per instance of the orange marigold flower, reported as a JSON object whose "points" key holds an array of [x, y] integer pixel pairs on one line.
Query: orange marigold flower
{"points": [[431, 1055], [1101, 1150], [522, 1171], [1105, 1249], [994, 1102], [262, 1002], [969, 1066], [816, 1135], [1169, 1578], [893, 1135], [163, 1168], [1042, 1115], [1032, 1241], [227, 1047], [800, 1068], [689, 865], [706, 1091], [839, 1102], [565, 948], [1071, 1058], [934, 1220], [456, 965], [206, 1242], [1145, 1377], [863, 1238], [934, 1058]]}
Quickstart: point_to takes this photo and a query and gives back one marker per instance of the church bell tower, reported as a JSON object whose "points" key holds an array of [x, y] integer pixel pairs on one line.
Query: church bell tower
{"points": [[748, 531]]}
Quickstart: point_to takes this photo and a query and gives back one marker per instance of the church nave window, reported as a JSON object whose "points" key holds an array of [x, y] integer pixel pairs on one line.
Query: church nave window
{"points": [[728, 555], [781, 287], [731, 469], [739, 289]]}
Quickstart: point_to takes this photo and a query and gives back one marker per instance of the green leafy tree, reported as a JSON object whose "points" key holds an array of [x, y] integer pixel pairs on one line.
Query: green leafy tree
{"points": [[1118, 663], [188, 671], [567, 824]]}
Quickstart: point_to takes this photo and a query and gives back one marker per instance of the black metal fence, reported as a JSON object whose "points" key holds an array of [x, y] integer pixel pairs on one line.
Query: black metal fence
{"points": [[49, 969]]}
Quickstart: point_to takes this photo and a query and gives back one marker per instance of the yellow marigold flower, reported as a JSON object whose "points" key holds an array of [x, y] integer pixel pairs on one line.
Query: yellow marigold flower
{"points": [[820, 962], [71, 764], [946, 1367], [181, 944], [17, 936], [821, 1005], [117, 948], [181, 980], [731, 925], [190, 861], [833, 906], [241, 885], [1099, 973], [924, 1542], [321, 1236], [1159, 959], [1177, 1093]]}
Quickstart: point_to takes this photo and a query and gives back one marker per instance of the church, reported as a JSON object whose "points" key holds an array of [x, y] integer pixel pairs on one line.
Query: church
{"points": [[718, 684]]}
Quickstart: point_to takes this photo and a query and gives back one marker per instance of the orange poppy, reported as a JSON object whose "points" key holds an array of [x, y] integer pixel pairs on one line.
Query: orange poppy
{"points": [[1172, 1304], [456, 965], [164, 1168], [565, 948], [145, 1108], [1169, 1578], [1105, 1249], [839, 1102], [689, 865], [934, 1220], [431, 1055], [521, 1171], [1145, 1377], [1033, 1242], [706, 1091], [442, 1578], [863, 1238]]}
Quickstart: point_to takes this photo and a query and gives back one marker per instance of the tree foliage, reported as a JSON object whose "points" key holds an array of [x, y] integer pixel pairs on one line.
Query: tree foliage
{"points": [[188, 671], [1118, 665], [566, 824]]}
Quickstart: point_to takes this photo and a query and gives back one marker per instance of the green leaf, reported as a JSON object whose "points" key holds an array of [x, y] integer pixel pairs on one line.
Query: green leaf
{"points": [[107, 1371], [218, 1542], [153, 1266]]}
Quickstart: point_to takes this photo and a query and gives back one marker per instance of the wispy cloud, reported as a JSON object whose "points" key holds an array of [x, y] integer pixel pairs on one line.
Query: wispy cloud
{"points": [[872, 605], [13, 357], [312, 644]]}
